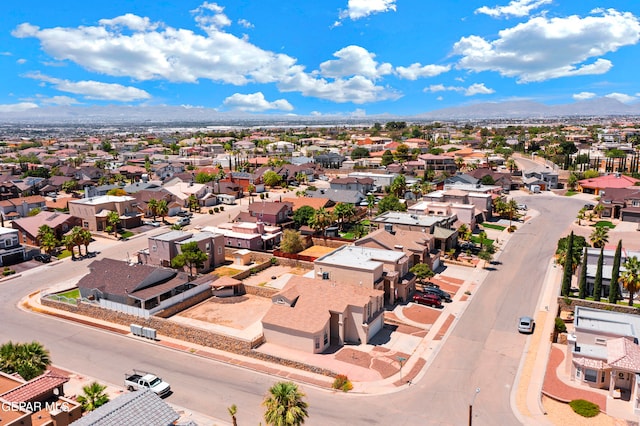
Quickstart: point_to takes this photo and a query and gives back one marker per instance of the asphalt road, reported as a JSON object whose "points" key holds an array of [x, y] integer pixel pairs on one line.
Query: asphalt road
{"points": [[483, 350]]}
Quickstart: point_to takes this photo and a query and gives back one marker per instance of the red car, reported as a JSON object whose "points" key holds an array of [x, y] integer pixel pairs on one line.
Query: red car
{"points": [[428, 299]]}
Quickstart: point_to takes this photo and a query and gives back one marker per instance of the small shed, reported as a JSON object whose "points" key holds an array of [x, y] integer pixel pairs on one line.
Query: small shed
{"points": [[242, 257]]}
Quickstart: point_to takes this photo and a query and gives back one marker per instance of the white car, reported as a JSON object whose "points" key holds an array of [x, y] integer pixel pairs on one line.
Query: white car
{"points": [[153, 223], [526, 325], [522, 207]]}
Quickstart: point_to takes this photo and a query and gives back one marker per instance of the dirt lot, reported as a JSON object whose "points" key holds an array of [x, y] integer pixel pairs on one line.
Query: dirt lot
{"points": [[239, 315], [263, 277]]}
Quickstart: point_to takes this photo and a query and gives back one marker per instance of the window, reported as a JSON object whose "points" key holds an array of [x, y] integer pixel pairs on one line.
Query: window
{"points": [[590, 375], [601, 341], [85, 224], [326, 337], [154, 248], [219, 250], [207, 247], [317, 342]]}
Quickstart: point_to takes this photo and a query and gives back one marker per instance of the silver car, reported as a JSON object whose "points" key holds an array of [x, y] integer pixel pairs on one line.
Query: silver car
{"points": [[526, 325]]}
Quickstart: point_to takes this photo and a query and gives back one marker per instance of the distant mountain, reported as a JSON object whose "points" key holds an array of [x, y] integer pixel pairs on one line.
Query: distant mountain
{"points": [[599, 107], [118, 114]]}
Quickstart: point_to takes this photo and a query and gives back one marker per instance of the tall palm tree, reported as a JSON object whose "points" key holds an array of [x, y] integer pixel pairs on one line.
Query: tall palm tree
{"points": [[86, 238], [47, 238], [599, 237], [163, 209], [344, 212], [630, 277], [29, 360], [69, 244], [93, 396], [284, 405], [371, 203], [511, 209], [78, 238], [321, 220], [152, 205], [113, 219]]}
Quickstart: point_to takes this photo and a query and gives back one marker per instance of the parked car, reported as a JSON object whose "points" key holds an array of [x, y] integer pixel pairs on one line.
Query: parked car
{"points": [[526, 325], [183, 221], [428, 299], [42, 257], [438, 292], [153, 223], [183, 213], [522, 207], [589, 206]]}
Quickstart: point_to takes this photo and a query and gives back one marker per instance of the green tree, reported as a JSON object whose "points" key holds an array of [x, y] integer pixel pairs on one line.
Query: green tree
{"points": [[193, 203], [69, 244], [191, 256], [302, 216], [321, 220], [421, 271], [568, 269], [69, 186], [85, 238], [285, 405], [599, 237], [34, 212], [344, 212], [485, 255], [399, 186], [359, 152], [371, 203], [387, 158], [482, 236], [271, 178], [78, 238], [47, 238], [464, 232], [579, 242], [614, 287], [113, 219], [572, 181], [29, 360], [582, 282], [163, 209], [511, 209], [152, 205], [631, 277], [233, 410], [93, 396], [291, 242], [391, 203], [597, 282]]}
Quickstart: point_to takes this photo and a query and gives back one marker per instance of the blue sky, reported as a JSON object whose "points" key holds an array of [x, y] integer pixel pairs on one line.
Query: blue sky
{"points": [[345, 57]]}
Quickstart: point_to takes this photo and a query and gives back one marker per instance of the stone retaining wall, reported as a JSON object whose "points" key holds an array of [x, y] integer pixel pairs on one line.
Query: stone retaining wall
{"points": [[564, 306], [255, 290], [185, 333], [179, 307]]}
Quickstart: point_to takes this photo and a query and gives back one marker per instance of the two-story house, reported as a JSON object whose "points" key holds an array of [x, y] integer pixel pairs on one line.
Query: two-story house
{"points": [[360, 184], [248, 235], [164, 247], [272, 213], [22, 206], [439, 163], [28, 227], [93, 211], [371, 268], [418, 246], [442, 227], [11, 251], [621, 203]]}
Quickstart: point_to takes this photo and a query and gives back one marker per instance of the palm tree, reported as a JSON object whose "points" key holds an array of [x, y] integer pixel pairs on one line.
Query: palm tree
{"points": [[630, 277], [86, 238], [93, 396], [47, 238], [399, 186], [29, 360], [459, 162], [344, 212], [163, 209], [69, 244], [511, 165], [321, 220], [152, 205], [371, 203], [580, 217], [482, 236], [284, 405], [113, 219], [598, 209], [511, 209], [233, 410], [599, 237], [78, 239]]}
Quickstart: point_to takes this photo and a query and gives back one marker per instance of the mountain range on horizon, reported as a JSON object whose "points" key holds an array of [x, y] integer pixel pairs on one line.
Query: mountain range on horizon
{"points": [[599, 107]]}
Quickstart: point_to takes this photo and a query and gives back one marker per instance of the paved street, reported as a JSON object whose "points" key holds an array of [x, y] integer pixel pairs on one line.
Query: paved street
{"points": [[483, 350]]}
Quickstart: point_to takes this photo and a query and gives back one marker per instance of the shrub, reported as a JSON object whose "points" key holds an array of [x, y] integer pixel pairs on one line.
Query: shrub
{"points": [[262, 196], [342, 382], [216, 209], [273, 260], [512, 228], [221, 208], [6, 268], [584, 408], [560, 326], [5, 273], [210, 211]]}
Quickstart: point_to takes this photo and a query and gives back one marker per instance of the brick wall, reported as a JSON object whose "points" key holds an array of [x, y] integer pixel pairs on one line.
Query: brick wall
{"points": [[255, 290]]}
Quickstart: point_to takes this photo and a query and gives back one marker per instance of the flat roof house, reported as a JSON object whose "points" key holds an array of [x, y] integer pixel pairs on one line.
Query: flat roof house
{"points": [[372, 268], [311, 314], [605, 352], [93, 211]]}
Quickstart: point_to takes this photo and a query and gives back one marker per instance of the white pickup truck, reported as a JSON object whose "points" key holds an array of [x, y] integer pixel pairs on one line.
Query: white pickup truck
{"points": [[141, 380]]}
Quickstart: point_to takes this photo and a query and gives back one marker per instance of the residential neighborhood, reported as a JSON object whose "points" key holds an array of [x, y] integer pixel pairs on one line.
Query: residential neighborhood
{"points": [[316, 256]]}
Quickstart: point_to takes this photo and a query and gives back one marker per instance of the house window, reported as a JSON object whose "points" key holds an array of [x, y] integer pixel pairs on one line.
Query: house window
{"points": [[590, 375], [239, 243], [326, 337], [219, 250], [154, 248], [317, 342], [85, 224], [325, 275], [578, 372], [601, 341], [65, 227], [207, 247]]}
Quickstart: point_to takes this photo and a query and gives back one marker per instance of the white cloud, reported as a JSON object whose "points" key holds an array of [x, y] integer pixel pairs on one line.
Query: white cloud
{"points": [[244, 23], [354, 60], [160, 52], [474, 89], [517, 8], [255, 102], [416, 71], [621, 97], [542, 49], [583, 96], [60, 100], [439, 98], [94, 89], [357, 9], [5, 54], [21, 61], [358, 113], [19, 107]]}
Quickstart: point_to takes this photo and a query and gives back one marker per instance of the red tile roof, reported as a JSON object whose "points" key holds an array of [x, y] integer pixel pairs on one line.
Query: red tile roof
{"points": [[35, 388]]}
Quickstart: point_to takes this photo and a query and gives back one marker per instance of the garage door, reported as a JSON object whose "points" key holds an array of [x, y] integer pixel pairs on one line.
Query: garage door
{"points": [[630, 217], [376, 326], [12, 259]]}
